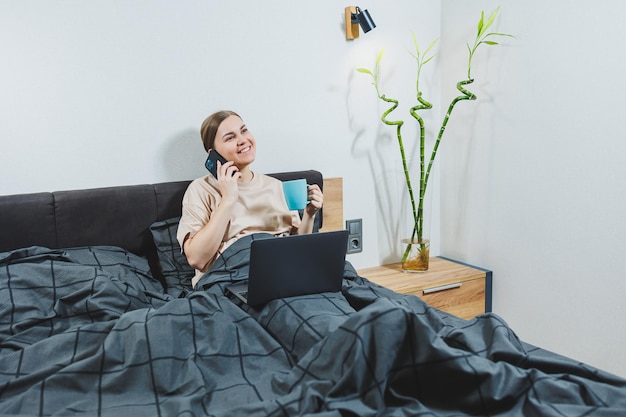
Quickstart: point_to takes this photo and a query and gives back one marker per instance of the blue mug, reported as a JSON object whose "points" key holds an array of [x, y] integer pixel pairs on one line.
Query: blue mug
{"points": [[295, 194]]}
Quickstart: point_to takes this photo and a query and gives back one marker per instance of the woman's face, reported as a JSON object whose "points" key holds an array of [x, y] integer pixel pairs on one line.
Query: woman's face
{"points": [[234, 142]]}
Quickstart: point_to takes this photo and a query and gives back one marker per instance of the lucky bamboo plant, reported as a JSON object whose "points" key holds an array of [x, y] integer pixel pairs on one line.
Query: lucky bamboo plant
{"points": [[419, 262]]}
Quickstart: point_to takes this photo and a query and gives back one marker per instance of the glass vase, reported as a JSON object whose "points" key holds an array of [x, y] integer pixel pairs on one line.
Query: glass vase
{"points": [[415, 256]]}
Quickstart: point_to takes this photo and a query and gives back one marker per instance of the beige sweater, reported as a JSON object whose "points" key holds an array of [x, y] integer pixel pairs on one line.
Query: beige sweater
{"points": [[261, 207]]}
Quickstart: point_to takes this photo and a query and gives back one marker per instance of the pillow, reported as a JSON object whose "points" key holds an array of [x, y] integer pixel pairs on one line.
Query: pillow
{"points": [[174, 266]]}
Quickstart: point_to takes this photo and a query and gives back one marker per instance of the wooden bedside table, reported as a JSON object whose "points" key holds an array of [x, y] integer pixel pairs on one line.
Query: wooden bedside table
{"points": [[451, 286]]}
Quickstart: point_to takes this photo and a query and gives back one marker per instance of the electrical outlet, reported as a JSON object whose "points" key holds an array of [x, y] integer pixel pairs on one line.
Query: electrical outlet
{"points": [[355, 235]]}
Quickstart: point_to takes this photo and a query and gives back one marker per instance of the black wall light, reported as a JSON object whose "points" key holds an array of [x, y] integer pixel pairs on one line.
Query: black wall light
{"points": [[355, 17]]}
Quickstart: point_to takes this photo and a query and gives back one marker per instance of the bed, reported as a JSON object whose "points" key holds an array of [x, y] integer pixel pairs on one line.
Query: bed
{"points": [[97, 317]]}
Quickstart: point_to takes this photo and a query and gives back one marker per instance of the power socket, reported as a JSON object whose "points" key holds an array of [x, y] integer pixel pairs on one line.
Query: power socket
{"points": [[355, 235]]}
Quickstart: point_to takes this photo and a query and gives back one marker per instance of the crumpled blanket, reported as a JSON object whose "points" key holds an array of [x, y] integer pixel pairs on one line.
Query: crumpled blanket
{"points": [[89, 332]]}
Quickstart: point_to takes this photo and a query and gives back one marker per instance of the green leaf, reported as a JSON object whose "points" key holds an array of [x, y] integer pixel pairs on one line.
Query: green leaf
{"points": [[500, 34], [380, 56], [365, 71], [491, 18], [432, 44], [480, 23], [417, 49], [490, 42]]}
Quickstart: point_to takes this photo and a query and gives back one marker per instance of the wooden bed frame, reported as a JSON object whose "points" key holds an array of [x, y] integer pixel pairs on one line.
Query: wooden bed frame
{"points": [[333, 204]]}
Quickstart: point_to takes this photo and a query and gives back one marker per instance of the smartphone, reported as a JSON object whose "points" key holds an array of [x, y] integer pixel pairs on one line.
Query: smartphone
{"points": [[211, 162]]}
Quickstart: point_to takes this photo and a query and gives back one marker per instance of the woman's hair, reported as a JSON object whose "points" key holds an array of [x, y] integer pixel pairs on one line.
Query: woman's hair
{"points": [[209, 127]]}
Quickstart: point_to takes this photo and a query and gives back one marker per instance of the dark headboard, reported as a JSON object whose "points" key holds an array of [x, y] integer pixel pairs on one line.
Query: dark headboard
{"points": [[113, 216]]}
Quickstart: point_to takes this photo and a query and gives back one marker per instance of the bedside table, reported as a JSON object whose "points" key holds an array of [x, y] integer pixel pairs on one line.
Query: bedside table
{"points": [[454, 287]]}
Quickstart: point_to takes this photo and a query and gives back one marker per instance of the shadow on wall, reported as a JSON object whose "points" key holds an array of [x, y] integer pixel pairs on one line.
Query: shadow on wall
{"points": [[375, 148], [183, 156]]}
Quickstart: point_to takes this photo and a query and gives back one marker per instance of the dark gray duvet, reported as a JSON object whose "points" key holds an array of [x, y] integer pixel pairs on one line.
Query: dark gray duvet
{"points": [[88, 331]]}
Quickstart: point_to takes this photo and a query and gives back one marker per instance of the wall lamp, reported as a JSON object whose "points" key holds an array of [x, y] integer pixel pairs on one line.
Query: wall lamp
{"points": [[355, 17]]}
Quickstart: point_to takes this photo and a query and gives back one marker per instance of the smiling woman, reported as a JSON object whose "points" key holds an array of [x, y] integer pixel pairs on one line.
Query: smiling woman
{"points": [[236, 202], [233, 141]]}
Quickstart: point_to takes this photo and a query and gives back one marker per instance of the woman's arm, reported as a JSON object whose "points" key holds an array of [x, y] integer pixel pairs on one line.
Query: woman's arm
{"points": [[316, 200], [201, 248]]}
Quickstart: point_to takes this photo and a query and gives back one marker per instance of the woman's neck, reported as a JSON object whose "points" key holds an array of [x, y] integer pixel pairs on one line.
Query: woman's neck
{"points": [[246, 175]]}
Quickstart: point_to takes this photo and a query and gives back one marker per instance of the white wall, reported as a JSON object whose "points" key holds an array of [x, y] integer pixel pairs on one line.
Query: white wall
{"points": [[533, 183], [112, 92]]}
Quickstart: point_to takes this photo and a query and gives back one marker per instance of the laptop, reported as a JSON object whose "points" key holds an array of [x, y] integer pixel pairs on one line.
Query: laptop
{"points": [[293, 265]]}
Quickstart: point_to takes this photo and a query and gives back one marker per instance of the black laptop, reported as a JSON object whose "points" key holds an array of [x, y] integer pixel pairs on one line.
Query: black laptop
{"points": [[293, 265]]}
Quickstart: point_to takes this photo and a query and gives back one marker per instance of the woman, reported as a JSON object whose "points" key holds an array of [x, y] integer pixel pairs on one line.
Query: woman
{"points": [[239, 202]]}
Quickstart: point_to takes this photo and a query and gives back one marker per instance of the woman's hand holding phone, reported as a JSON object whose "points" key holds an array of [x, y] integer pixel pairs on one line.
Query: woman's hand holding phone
{"points": [[226, 173], [227, 179], [211, 162]]}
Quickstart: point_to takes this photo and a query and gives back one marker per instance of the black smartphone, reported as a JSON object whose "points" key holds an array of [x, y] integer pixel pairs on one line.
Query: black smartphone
{"points": [[211, 162]]}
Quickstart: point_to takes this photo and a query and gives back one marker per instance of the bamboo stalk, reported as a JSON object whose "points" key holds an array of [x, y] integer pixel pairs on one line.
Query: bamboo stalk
{"points": [[405, 168], [467, 95], [418, 212]]}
